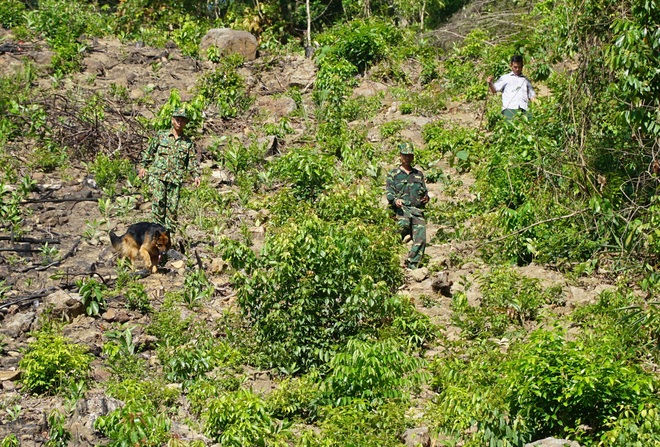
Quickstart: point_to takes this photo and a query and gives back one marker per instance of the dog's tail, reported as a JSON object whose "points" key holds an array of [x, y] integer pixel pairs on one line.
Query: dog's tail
{"points": [[115, 241]]}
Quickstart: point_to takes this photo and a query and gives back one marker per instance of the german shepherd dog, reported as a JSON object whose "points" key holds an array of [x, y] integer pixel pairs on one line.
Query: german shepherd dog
{"points": [[148, 240]]}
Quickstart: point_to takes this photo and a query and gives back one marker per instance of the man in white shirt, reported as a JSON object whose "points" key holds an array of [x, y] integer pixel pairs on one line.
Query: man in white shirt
{"points": [[516, 89]]}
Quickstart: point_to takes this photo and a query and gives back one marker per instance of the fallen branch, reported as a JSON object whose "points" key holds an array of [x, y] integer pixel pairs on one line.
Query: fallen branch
{"points": [[22, 250], [535, 224], [39, 294], [30, 240], [52, 264], [71, 199]]}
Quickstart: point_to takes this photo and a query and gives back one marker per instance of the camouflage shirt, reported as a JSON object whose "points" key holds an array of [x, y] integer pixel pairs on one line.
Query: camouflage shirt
{"points": [[169, 158], [409, 187]]}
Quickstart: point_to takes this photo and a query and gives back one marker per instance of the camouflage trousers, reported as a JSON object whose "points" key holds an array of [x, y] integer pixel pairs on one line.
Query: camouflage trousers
{"points": [[165, 202], [415, 226]]}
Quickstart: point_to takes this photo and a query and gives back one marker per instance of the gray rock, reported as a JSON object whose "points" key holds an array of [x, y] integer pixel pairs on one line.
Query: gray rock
{"points": [[229, 41], [416, 437], [15, 325], [63, 305], [553, 442], [90, 408], [441, 284], [420, 275]]}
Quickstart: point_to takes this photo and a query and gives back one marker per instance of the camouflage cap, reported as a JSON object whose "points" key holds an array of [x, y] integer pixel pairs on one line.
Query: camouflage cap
{"points": [[180, 111], [406, 148]]}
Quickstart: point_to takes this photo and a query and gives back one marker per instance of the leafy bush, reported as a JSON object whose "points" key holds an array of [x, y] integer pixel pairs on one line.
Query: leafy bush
{"points": [[49, 156], [637, 427], [307, 170], [58, 435], [225, 88], [142, 420], [295, 397], [62, 23], [361, 43], [52, 363], [315, 285], [92, 295], [508, 298], [196, 288], [576, 382], [372, 371], [456, 141], [108, 171], [136, 297], [348, 202], [187, 362], [351, 425], [134, 425], [169, 325], [12, 13], [241, 418], [121, 351]]}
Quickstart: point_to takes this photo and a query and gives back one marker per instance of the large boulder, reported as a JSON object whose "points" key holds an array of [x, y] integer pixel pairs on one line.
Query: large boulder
{"points": [[230, 41]]}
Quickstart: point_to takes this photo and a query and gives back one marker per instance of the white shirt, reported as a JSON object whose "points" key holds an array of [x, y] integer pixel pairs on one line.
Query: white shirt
{"points": [[516, 91]]}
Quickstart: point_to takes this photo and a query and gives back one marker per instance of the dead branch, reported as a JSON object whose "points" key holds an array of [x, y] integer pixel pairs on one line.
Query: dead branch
{"points": [[52, 264], [56, 200], [30, 240], [535, 224], [38, 294]]}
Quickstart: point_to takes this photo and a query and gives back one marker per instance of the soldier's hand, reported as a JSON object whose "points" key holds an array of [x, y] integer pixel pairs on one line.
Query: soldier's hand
{"points": [[197, 181], [425, 199], [398, 203], [489, 79], [141, 172]]}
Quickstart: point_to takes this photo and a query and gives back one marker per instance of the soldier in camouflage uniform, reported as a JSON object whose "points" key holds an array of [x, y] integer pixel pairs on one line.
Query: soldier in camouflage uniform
{"points": [[167, 160], [407, 195]]}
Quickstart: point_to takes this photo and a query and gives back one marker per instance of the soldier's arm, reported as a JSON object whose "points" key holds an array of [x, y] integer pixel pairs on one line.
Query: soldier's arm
{"points": [[148, 154], [392, 193], [425, 191], [193, 164]]}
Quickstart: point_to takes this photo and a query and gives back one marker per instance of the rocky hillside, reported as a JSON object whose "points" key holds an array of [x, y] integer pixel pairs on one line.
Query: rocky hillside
{"points": [[64, 235]]}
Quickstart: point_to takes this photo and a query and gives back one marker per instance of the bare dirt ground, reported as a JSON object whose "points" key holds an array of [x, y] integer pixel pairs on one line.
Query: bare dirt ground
{"points": [[36, 282]]}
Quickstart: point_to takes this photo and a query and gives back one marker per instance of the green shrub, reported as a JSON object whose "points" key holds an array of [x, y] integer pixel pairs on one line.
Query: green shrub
{"points": [[196, 288], [458, 142], [108, 171], [315, 285], [348, 202], [225, 88], [360, 42], [188, 35], [238, 159], [373, 372], [636, 426], [58, 435], [187, 362], [295, 397], [134, 425], [12, 13], [121, 351], [142, 420], [92, 295], [49, 156], [136, 297], [307, 170], [351, 425], [10, 441], [169, 325], [575, 382], [241, 418], [508, 299], [52, 363]]}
